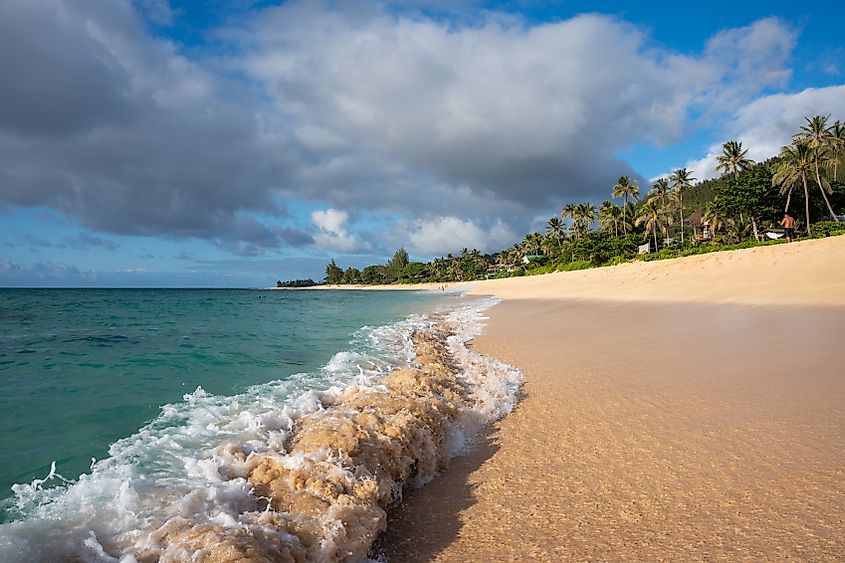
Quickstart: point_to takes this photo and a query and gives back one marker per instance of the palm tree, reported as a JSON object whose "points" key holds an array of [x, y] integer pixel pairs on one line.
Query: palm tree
{"points": [[816, 133], [661, 189], [733, 159], [440, 266], [737, 230], [569, 211], [455, 271], [649, 217], [681, 179], [585, 215], [550, 245], [796, 163], [712, 219], [516, 253], [610, 217], [836, 143], [666, 213], [531, 243], [624, 188], [555, 228]]}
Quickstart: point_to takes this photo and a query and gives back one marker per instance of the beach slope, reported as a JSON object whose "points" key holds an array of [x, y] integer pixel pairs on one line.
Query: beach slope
{"points": [[690, 409]]}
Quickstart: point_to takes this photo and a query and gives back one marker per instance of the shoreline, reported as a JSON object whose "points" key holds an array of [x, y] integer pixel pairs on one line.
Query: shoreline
{"points": [[781, 274], [303, 475], [681, 421]]}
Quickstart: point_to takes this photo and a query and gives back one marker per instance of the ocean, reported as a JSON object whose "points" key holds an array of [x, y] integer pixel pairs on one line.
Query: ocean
{"points": [[128, 412]]}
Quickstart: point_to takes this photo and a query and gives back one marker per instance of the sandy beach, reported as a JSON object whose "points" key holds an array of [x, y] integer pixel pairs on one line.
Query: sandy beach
{"points": [[682, 410]]}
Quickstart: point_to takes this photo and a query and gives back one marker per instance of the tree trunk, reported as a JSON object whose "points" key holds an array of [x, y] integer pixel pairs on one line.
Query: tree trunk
{"points": [[682, 217], [788, 199], [654, 230], [754, 227], [824, 194], [806, 202], [625, 215]]}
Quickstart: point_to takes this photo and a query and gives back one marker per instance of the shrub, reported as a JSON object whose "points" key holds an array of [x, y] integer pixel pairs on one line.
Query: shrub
{"points": [[827, 228], [572, 266], [616, 260]]}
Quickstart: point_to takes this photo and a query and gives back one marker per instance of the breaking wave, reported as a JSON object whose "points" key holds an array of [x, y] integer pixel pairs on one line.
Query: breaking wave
{"points": [[295, 470]]}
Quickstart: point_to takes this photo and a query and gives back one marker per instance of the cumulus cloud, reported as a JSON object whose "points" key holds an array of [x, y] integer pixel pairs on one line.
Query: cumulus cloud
{"points": [[117, 130], [515, 113], [768, 123], [354, 106], [332, 234], [450, 234]]}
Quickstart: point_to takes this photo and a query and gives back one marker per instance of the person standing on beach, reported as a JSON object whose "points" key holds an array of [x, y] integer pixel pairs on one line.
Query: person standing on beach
{"points": [[788, 224]]}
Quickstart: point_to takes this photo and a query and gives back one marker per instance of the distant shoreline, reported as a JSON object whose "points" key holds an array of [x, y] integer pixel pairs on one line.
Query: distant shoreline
{"points": [[690, 278]]}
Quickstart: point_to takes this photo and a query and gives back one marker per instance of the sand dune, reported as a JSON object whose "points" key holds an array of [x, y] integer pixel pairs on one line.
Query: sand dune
{"points": [[683, 410]]}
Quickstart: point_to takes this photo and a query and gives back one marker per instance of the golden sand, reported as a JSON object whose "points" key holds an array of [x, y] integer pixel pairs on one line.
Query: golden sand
{"points": [[684, 410]]}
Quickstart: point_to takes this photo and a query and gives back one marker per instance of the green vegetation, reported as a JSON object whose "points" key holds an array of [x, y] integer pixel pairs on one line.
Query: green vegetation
{"points": [[677, 217], [296, 283]]}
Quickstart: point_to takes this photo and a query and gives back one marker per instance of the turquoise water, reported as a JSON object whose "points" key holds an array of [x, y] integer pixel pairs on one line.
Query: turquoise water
{"points": [[81, 369]]}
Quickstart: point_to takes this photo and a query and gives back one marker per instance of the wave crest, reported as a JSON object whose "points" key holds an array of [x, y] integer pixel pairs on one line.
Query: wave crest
{"points": [[320, 489]]}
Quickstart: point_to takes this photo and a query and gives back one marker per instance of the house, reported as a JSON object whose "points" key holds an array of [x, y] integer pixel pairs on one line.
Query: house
{"points": [[528, 258]]}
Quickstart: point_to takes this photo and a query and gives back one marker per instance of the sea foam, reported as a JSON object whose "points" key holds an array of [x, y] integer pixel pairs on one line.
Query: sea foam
{"points": [[293, 470]]}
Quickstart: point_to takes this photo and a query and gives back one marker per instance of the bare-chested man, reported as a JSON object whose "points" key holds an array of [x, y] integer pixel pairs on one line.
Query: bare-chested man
{"points": [[788, 224]]}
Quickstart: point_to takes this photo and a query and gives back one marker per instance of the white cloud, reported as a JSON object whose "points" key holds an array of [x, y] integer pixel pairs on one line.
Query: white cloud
{"points": [[402, 113], [332, 233], [363, 108], [768, 123], [451, 234]]}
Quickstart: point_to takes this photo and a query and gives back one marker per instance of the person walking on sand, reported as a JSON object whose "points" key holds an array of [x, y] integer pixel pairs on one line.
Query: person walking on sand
{"points": [[788, 224]]}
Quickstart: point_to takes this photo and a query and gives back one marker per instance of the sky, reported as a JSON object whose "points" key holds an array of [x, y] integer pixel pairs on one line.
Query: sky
{"points": [[200, 143]]}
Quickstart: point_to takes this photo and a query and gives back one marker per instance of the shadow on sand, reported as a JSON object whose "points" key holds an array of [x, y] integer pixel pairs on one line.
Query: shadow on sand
{"points": [[428, 519]]}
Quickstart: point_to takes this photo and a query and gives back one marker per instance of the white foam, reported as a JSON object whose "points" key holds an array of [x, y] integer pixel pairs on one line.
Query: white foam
{"points": [[182, 466]]}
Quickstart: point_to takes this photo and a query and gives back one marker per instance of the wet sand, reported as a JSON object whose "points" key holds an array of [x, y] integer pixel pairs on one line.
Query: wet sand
{"points": [[650, 430]]}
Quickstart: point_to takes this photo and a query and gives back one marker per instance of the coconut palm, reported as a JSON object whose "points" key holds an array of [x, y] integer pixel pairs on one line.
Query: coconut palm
{"points": [[797, 162], [624, 188], [733, 159], [816, 133], [550, 245], [555, 228], [515, 254], [681, 179], [667, 215], [610, 217], [737, 230], [836, 143], [661, 189], [568, 212], [441, 266], [712, 219], [455, 271], [532, 242], [585, 215], [649, 217]]}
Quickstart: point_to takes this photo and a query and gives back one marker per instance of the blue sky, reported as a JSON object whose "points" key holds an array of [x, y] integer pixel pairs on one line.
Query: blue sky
{"points": [[200, 143]]}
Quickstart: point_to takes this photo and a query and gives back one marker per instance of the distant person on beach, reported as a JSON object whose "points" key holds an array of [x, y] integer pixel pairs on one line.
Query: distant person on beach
{"points": [[788, 224]]}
